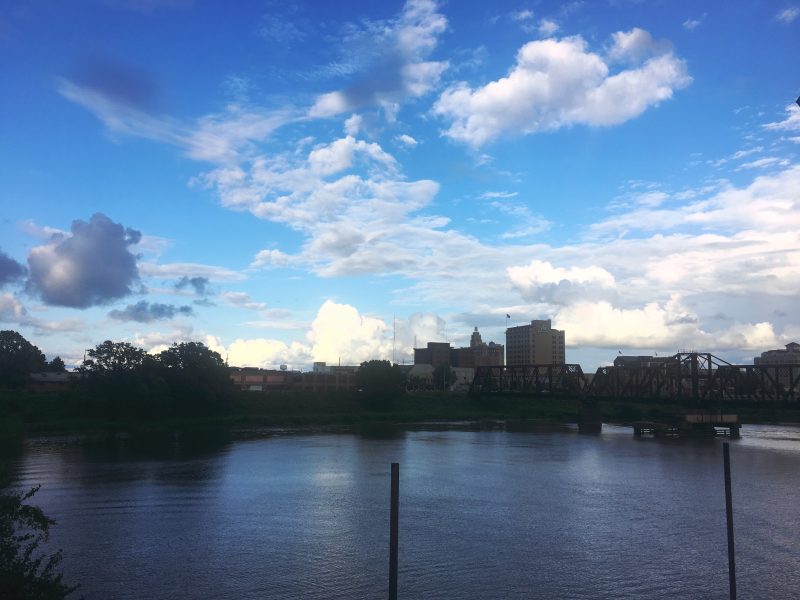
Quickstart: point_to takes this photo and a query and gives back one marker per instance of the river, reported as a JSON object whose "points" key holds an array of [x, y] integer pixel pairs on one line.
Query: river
{"points": [[483, 514]]}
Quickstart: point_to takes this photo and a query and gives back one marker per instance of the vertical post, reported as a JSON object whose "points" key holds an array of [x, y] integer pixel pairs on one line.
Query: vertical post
{"points": [[393, 523], [726, 453]]}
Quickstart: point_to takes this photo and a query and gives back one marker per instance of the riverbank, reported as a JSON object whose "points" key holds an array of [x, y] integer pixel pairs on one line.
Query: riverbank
{"points": [[26, 413]]}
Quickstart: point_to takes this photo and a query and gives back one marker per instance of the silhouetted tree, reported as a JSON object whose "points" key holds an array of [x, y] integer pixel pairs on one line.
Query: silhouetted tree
{"points": [[191, 356], [24, 571], [56, 365], [18, 358], [380, 382], [114, 357], [443, 377], [196, 375]]}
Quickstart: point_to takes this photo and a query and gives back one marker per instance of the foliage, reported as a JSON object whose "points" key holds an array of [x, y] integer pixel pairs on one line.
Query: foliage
{"points": [[125, 381], [380, 382], [56, 365], [443, 377], [196, 376], [191, 356], [114, 357], [18, 358], [24, 571]]}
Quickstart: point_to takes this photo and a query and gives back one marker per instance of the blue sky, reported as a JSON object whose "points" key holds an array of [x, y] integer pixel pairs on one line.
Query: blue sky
{"points": [[298, 181]]}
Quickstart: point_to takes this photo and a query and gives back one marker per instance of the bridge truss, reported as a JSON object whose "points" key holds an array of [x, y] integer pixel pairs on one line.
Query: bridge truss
{"points": [[689, 378], [529, 379]]}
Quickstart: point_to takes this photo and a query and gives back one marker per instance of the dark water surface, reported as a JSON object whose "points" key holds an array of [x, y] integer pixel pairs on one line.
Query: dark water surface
{"points": [[484, 514]]}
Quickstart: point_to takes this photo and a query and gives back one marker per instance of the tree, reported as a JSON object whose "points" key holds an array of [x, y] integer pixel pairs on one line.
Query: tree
{"points": [[190, 356], [56, 365], [443, 377], [196, 375], [114, 358], [380, 382], [24, 573], [18, 358]]}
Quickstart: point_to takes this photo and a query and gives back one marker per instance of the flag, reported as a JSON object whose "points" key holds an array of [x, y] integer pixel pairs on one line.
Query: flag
{"points": [[508, 316], [619, 351]]}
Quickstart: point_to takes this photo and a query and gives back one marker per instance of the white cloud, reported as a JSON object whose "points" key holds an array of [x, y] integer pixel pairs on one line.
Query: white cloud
{"points": [[540, 281], [340, 332], [491, 195], [243, 300], [173, 270], [218, 138], [635, 45], [558, 83], [767, 161], [669, 326], [789, 14], [692, 24], [407, 140], [11, 309], [270, 258], [522, 15], [548, 27], [396, 67], [353, 125], [790, 123]]}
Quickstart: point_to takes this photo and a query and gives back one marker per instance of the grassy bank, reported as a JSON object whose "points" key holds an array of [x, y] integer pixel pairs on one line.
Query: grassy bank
{"points": [[65, 413], [25, 413]]}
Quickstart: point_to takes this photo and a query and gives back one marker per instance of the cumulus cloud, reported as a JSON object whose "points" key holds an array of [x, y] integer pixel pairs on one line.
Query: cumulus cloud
{"points": [[339, 330], [350, 219], [392, 59], [558, 83], [667, 326], [10, 270], [92, 265], [540, 281], [11, 309], [144, 312]]}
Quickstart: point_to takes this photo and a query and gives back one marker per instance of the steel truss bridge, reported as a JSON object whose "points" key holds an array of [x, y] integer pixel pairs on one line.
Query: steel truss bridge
{"points": [[690, 378]]}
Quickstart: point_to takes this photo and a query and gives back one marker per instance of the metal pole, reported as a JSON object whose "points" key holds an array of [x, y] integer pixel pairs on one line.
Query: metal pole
{"points": [[726, 453], [393, 522]]}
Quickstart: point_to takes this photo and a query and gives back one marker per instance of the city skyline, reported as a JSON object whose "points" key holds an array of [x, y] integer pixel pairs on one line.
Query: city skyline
{"points": [[307, 182]]}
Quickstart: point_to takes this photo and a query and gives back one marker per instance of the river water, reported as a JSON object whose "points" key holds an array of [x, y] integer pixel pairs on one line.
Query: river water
{"points": [[483, 514]]}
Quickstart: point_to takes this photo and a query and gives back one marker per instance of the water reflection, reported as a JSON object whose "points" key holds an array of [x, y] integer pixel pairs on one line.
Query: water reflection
{"points": [[489, 514]]}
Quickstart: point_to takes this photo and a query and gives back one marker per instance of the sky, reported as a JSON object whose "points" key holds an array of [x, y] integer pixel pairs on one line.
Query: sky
{"points": [[290, 182]]}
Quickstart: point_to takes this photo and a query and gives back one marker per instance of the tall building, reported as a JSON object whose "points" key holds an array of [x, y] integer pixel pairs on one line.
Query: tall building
{"points": [[535, 344], [790, 356]]}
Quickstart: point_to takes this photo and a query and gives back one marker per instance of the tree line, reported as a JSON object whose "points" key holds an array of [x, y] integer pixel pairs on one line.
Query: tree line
{"points": [[118, 379]]}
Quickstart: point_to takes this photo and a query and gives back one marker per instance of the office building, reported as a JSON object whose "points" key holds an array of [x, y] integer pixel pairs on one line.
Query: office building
{"points": [[790, 356], [535, 344]]}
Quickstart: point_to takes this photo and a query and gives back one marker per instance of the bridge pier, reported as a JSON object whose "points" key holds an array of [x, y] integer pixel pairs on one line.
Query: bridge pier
{"points": [[590, 419]]}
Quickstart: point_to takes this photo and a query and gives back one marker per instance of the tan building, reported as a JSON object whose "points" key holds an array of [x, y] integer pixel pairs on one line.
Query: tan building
{"points": [[477, 354], [535, 344], [790, 356]]}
